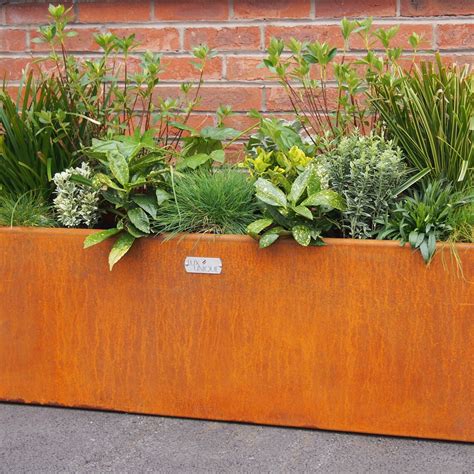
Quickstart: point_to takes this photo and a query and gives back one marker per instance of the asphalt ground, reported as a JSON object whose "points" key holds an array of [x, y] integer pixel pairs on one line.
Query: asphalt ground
{"points": [[44, 439]]}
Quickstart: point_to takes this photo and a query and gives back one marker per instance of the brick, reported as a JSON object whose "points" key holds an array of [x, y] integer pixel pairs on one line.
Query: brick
{"points": [[84, 41], [31, 13], [456, 36], [187, 10], [12, 40], [114, 11], [224, 38], [241, 122], [355, 8], [241, 98], [241, 68], [252, 9], [436, 7], [278, 100], [152, 39], [182, 69], [11, 69], [401, 39], [323, 33]]}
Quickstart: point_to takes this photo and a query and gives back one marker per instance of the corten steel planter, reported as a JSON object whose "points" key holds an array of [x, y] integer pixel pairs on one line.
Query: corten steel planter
{"points": [[355, 336]]}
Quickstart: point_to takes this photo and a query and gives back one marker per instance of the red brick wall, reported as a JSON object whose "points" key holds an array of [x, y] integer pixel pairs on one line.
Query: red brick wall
{"points": [[239, 30]]}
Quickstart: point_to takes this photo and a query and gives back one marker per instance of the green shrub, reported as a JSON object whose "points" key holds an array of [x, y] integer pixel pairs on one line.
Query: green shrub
{"points": [[27, 210], [429, 215], [367, 172], [218, 202], [303, 212], [430, 111]]}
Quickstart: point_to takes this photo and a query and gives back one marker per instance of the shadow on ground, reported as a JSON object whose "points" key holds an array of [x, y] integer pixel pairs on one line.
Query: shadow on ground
{"points": [[43, 439]]}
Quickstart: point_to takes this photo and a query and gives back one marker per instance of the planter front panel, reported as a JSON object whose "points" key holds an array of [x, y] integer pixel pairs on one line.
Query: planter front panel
{"points": [[355, 336]]}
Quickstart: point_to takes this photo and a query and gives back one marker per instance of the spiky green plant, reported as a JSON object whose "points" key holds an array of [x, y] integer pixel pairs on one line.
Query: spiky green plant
{"points": [[218, 202], [436, 212], [430, 112], [26, 210]]}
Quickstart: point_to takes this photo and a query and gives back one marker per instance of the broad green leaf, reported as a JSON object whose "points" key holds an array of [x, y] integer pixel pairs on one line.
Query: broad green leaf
{"points": [[218, 155], [326, 198], [299, 185], [120, 248], [119, 167], [303, 211], [256, 227], [267, 239], [269, 193], [134, 231], [412, 238], [162, 196], [193, 161], [99, 237], [425, 252], [219, 133], [101, 179], [314, 182], [147, 203], [302, 234], [139, 219]]}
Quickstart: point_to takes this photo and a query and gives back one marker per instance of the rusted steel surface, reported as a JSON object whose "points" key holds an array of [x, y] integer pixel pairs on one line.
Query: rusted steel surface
{"points": [[356, 336]]}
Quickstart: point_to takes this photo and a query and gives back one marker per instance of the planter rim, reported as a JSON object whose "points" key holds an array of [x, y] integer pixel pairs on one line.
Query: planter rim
{"points": [[222, 237]]}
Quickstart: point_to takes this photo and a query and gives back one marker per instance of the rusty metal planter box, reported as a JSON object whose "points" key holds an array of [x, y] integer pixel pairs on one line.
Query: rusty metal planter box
{"points": [[355, 336]]}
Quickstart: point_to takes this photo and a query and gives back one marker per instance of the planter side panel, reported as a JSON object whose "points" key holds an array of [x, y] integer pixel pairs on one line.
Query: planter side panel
{"points": [[353, 337]]}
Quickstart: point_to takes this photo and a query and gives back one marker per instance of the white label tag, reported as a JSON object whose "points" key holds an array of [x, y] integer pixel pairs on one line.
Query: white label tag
{"points": [[208, 265]]}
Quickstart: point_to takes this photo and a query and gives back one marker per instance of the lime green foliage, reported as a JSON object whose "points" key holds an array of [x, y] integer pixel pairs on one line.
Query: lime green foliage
{"points": [[206, 201], [430, 111], [303, 212], [367, 172], [429, 215], [134, 180], [279, 167], [27, 210]]}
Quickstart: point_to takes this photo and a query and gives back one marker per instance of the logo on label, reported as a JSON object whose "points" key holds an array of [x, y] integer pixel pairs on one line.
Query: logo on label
{"points": [[208, 265]]}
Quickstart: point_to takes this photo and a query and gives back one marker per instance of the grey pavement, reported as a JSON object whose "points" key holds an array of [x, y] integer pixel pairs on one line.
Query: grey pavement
{"points": [[42, 439]]}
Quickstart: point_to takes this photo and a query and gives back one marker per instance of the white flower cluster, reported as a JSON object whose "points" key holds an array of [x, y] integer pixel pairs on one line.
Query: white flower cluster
{"points": [[75, 204]]}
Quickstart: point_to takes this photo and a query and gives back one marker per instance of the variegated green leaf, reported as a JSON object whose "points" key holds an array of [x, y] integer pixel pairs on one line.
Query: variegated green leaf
{"points": [[269, 193], [120, 248], [302, 234]]}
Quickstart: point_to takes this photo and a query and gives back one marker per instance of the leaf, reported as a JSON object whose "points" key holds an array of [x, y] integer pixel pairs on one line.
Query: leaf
{"points": [[425, 252], [218, 155], [162, 196], [299, 185], [147, 203], [120, 248], [326, 198], [193, 161], [99, 237], [101, 179], [302, 234], [269, 193], [303, 211], [314, 182], [268, 239], [139, 219], [219, 133], [256, 227], [412, 238], [119, 167]]}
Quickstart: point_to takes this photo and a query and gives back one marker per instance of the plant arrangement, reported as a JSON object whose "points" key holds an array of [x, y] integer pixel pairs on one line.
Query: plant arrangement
{"points": [[385, 153]]}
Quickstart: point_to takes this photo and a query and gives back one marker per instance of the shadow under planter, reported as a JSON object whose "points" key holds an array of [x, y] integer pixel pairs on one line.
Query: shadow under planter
{"points": [[355, 336]]}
